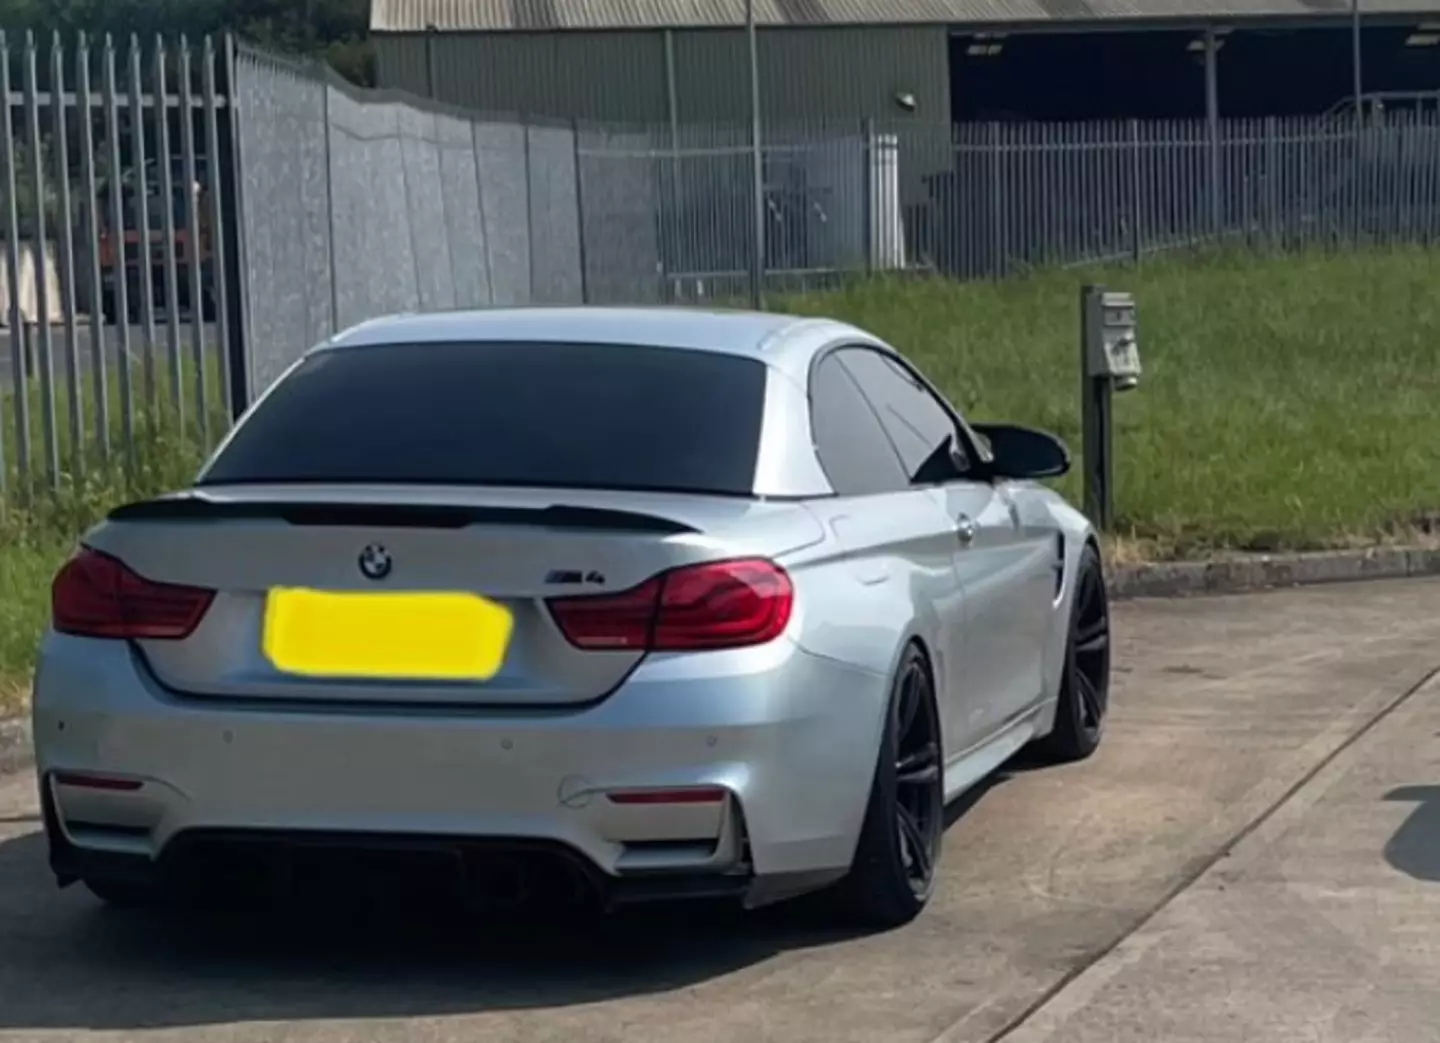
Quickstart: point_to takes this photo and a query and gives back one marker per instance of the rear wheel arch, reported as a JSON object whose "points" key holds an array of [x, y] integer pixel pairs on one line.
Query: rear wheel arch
{"points": [[937, 696], [890, 881], [917, 642]]}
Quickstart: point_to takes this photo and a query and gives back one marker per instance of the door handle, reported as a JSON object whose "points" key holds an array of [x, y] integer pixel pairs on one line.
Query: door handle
{"points": [[965, 529]]}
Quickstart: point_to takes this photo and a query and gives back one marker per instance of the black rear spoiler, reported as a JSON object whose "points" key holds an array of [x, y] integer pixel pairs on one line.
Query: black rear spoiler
{"points": [[393, 515]]}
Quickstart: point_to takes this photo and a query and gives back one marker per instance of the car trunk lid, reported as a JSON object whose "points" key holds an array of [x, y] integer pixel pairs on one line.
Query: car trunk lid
{"points": [[514, 548]]}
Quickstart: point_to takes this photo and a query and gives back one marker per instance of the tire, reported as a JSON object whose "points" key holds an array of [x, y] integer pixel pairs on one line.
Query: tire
{"points": [[897, 857], [123, 894], [1084, 699]]}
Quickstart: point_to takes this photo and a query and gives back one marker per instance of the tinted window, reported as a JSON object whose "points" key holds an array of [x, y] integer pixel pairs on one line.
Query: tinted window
{"points": [[565, 415], [857, 457], [918, 425]]}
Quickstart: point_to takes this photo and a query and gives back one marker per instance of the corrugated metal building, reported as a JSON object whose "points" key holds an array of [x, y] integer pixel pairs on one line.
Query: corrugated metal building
{"points": [[658, 61]]}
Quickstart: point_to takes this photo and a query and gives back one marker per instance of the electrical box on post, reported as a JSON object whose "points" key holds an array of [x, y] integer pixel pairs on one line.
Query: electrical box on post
{"points": [[1114, 352]]}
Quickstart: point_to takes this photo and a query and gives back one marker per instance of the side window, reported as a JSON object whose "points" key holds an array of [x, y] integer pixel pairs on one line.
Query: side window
{"points": [[857, 457], [921, 428]]}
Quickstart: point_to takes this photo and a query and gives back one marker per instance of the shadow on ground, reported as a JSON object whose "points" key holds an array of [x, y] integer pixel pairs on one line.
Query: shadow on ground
{"points": [[69, 962], [1415, 847]]}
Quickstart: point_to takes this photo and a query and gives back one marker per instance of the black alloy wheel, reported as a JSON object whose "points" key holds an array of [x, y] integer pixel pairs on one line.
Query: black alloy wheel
{"points": [[919, 803], [1085, 686], [898, 853]]}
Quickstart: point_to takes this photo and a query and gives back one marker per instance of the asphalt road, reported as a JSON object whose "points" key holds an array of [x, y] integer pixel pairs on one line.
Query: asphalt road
{"points": [[1226, 708]]}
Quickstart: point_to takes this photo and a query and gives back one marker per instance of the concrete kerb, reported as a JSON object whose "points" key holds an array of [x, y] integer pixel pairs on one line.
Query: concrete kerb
{"points": [[1265, 571], [1164, 580]]}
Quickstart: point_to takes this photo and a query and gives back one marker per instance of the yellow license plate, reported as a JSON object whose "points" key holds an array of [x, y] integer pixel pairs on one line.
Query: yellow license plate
{"points": [[400, 636]]}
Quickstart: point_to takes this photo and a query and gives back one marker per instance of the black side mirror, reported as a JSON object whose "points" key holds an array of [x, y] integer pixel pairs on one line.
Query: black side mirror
{"points": [[1023, 452]]}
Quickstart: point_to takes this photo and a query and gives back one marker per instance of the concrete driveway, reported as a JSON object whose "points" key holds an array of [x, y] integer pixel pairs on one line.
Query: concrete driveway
{"points": [[1295, 711]]}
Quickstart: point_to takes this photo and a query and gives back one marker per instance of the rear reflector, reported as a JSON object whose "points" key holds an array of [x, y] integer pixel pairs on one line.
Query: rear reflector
{"points": [[692, 795], [720, 604], [95, 595], [83, 780]]}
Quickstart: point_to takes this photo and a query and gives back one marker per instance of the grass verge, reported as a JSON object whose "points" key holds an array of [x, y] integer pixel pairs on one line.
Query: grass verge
{"points": [[1288, 403], [40, 524]]}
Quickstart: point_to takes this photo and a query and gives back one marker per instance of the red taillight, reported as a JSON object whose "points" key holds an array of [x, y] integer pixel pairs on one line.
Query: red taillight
{"points": [[722, 604], [95, 595]]}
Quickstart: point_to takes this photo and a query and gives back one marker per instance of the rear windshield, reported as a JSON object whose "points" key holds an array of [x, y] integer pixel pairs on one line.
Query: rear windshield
{"points": [[598, 416]]}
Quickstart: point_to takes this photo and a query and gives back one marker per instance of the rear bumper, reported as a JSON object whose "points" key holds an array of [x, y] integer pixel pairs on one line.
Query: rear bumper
{"points": [[397, 869], [788, 738]]}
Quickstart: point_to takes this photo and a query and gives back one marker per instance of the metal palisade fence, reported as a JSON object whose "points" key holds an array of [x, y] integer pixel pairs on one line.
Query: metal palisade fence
{"points": [[111, 224], [181, 221]]}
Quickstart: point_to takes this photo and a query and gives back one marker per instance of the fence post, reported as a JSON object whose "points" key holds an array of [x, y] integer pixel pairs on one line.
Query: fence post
{"points": [[229, 182], [330, 209], [1137, 240], [98, 362], [867, 188], [580, 212], [49, 429], [12, 269], [1272, 176], [529, 211], [195, 279], [66, 239], [145, 307], [670, 230], [171, 265], [997, 206], [757, 165], [1212, 125]]}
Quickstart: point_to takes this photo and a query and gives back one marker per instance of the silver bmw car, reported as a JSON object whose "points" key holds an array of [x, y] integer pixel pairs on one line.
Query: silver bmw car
{"points": [[641, 603]]}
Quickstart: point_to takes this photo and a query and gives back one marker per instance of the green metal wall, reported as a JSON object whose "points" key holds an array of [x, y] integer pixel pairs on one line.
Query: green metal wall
{"points": [[807, 75]]}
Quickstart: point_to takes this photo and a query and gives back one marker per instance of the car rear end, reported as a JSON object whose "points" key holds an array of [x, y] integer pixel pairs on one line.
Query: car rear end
{"points": [[503, 608]]}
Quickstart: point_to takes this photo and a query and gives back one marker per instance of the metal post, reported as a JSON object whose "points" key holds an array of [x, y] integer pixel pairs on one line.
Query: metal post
{"points": [[1095, 416], [226, 173], [580, 208], [1356, 72], [59, 111], [1212, 124], [670, 253], [169, 261], [98, 360], [1358, 87], [869, 158], [757, 166], [194, 237], [145, 307], [998, 264], [219, 269], [120, 287], [1137, 207], [430, 33], [43, 333], [9, 210]]}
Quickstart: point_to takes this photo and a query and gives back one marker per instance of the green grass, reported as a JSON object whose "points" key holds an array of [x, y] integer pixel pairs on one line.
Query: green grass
{"points": [[39, 525], [1287, 403]]}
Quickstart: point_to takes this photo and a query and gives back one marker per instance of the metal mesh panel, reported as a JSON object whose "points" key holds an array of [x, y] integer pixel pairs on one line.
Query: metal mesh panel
{"points": [[501, 159], [555, 235], [285, 183], [619, 181]]}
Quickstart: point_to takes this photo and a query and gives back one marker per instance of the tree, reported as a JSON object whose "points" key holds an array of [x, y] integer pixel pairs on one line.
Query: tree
{"points": [[335, 31]]}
